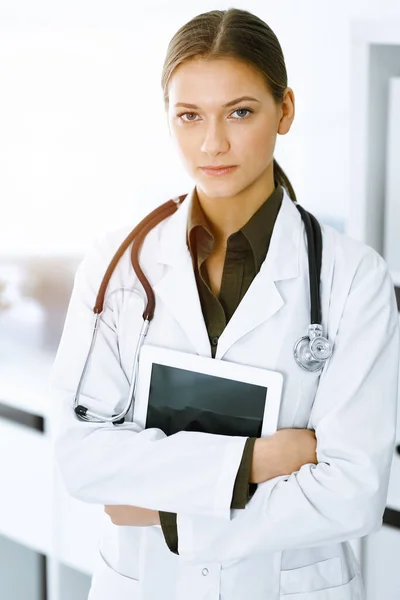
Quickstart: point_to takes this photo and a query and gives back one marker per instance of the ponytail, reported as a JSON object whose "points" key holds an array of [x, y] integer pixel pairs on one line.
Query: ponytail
{"points": [[282, 179]]}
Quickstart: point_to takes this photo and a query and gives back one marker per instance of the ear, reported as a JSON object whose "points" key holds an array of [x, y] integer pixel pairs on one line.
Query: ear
{"points": [[287, 112]]}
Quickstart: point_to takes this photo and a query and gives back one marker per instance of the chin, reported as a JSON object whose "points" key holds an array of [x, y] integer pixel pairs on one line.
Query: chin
{"points": [[218, 192], [220, 189]]}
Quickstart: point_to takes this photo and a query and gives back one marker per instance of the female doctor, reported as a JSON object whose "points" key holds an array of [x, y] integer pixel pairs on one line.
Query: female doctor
{"points": [[184, 516]]}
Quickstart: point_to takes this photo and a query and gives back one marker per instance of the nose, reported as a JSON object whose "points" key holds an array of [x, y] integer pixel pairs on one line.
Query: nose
{"points": [[215, 139]]}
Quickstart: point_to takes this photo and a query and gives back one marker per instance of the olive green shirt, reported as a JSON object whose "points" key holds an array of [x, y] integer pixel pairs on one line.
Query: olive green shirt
{"points": [[245, 252]]}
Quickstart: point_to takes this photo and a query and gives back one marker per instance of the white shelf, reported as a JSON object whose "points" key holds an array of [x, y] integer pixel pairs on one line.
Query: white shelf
{"points": [[30, 524], [47, 519], [24, 382]]}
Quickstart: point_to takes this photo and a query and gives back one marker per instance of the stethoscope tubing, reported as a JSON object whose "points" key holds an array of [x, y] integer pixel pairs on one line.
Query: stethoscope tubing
{"points": [[149, 222], [314, 240], [137, 236]]}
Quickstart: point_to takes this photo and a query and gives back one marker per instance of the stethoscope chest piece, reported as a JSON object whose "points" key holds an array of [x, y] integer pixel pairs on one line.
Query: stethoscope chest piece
{"points": [[313, 350]]}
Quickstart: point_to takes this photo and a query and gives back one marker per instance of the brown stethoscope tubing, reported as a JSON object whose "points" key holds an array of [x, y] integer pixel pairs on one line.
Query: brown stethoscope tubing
{"points": [[137, 236]]}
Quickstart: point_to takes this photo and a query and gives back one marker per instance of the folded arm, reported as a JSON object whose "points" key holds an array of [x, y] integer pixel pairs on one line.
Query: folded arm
{"points": [[354, 417]]}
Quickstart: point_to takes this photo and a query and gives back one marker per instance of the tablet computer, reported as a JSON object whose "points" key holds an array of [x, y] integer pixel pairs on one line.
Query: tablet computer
{"points": [[179, 391]]}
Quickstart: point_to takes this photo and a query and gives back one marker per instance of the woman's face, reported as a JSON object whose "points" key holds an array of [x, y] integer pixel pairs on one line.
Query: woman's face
{"points": [[208, 133]]}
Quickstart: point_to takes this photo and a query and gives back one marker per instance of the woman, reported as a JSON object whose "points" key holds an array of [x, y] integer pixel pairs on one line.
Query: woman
{"points": [[184, 516]]}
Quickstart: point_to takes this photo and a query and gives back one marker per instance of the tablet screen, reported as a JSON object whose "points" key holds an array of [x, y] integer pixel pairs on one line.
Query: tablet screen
{"points": [[187, 400]]}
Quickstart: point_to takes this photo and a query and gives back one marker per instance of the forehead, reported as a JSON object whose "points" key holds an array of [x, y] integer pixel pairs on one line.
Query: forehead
{"points": [[214, 81]]}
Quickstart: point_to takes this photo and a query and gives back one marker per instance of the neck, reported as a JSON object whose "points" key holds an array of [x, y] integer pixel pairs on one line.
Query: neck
{"points": [[228, 214]]}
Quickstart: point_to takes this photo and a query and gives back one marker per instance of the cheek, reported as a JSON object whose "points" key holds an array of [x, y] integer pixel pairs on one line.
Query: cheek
{"points": [[256, 142], [254, 152], [188, 147]]}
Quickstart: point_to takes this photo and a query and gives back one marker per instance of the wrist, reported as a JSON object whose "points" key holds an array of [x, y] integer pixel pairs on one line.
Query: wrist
{"points": [[255, 470], [264, 464]]}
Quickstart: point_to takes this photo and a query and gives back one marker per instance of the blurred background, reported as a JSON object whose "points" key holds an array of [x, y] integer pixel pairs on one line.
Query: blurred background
{"points": [[84, 148]]}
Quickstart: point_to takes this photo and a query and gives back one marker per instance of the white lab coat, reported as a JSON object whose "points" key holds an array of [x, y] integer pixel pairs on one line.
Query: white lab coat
{"points": [[291, 540]]}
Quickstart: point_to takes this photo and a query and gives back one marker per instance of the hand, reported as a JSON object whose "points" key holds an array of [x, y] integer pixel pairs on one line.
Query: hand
{"points": [[132, 515], [283, 453]]}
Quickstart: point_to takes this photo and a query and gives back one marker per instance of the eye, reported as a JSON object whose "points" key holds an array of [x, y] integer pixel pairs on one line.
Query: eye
{"points": [[248, 110], [186, 113]]}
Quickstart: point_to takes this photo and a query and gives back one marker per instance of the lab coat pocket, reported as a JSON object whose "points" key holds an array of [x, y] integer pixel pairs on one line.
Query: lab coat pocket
{"points": [[353, 590], [320, 576], [108, 583]]}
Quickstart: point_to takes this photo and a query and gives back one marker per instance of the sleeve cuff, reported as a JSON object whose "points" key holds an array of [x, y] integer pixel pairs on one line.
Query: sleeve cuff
{"points": [[243, 490]]}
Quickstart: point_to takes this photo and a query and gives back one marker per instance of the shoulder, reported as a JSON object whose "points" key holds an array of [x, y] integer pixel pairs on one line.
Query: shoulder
{"points": [[104, 248], [352, 256], [358, 283]]}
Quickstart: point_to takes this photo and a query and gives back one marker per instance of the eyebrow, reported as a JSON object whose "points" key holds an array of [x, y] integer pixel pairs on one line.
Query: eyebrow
{"points": [[227, 105]]}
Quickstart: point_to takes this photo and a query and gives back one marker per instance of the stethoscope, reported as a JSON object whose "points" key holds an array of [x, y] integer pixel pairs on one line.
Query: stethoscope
{"points": [[310, 352]]}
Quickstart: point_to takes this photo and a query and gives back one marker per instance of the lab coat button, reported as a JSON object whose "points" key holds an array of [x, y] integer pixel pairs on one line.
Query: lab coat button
{"points": [[214, 341], [205, 571]]}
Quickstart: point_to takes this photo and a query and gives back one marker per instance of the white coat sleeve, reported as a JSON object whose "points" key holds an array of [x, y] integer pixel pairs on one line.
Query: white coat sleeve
{"points": [[188, 472], [354, 418]]}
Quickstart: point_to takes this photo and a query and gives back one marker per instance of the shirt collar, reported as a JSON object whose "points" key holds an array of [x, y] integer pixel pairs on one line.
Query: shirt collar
{"points": [[259, 227], [257, 231]]}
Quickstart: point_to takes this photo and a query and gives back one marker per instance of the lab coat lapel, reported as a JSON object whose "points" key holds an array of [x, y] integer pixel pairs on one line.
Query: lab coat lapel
{"points": [[263, 299], [178, 289]]}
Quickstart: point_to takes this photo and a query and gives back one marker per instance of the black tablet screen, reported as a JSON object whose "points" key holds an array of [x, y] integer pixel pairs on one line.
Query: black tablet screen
{"points": [[190, 401]]}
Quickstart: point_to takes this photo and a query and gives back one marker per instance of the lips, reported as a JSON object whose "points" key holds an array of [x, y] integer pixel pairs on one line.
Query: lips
{"points": [[221, 170], [217, 167]]}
